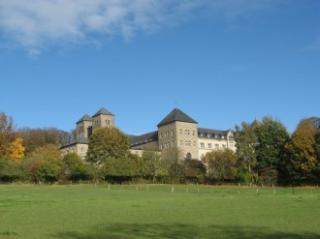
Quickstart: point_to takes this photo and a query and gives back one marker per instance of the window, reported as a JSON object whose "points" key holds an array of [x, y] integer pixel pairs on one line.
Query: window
{"points": [[224, 146], [217, 146], [188, 156], [185, 132], [201, 145], [193, 133], [188, 132], [209, 145], [188, 143], [209, 135]]}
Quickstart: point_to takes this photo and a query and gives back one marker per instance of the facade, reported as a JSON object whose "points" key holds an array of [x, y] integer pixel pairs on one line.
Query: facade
{"points": [[316, 122], [176, 131]]}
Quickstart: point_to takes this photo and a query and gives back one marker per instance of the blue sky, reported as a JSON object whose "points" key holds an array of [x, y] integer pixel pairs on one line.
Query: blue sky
{"points": [[222, 62]]}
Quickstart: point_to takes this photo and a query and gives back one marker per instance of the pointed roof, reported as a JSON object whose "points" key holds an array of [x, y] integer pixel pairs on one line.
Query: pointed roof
{"points": [[102, 111], [86, 117], [177, 115]]}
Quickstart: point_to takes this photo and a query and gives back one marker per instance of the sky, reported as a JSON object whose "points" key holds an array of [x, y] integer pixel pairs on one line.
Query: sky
{"points": [[220, 61]]}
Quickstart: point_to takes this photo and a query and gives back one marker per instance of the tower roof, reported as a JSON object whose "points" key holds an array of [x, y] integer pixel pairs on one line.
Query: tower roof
{"points": [[102, 111], [177, 115], [84, 118]]}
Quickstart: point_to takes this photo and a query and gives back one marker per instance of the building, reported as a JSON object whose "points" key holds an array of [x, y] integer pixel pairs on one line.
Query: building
{"points": [[176, 130], [316, 122]]}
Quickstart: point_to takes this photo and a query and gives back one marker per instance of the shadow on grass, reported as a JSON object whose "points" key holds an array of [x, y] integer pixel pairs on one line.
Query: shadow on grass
{"points": [[181, 231]]}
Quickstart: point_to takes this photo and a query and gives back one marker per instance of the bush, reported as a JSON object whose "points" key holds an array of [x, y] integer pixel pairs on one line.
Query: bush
{"points": [[44, 164], [74, 168], [222, 165], [11, 171]]}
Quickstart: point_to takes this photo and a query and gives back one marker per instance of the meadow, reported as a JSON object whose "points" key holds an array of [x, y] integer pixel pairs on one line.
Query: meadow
{"points": [[158, 211]]}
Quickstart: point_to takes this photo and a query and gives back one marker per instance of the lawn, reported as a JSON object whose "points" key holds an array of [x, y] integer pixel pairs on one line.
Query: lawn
{"points": [[157, 211]]}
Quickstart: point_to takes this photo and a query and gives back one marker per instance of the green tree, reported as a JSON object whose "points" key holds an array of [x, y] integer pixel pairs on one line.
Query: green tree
{"points": [[301, 155], [11, 171], [221, 165], [107, 143], [172, 161], [246, 142], [74, 168], [271, 138], [153, 165]]}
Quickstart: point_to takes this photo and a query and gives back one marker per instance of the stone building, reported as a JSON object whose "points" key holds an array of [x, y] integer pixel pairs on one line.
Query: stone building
{"points": [[316, 122], [176, 130]]}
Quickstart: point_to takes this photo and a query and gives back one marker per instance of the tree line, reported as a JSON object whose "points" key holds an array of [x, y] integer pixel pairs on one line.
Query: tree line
{"points": [[266, 154]]}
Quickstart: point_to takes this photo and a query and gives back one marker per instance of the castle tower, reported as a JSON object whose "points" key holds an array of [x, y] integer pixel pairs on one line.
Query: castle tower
{"points": [[83, 128], [103, 118], [178, 130]]}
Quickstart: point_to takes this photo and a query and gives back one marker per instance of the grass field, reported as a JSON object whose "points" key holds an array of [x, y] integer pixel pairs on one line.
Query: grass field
{"points": [[154, 211]]}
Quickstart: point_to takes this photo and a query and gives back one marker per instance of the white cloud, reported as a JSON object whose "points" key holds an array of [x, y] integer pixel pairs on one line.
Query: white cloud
{"points": [[35, 24]]}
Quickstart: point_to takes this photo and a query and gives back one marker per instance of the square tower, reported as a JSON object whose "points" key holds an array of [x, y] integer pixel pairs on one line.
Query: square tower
{"points": [[83, 128], [178, 130], [103, 118]]}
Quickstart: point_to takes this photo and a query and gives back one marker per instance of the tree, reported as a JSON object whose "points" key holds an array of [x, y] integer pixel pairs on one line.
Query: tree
{"points": [[194, 170], [35, 138], [16, 149], [246, 142], [153, 166], [44, 164], [301, 155], [10, 170], [172, 160], [7, 134], [221, 165], [74, 169], [107, 143], [271, 138], [317, 171]]}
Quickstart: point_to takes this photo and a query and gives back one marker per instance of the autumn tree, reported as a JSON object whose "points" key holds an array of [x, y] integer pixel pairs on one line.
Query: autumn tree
{"points": [[44, 164], [35, 138], [221, 165], [16, 150], [301, 155]]}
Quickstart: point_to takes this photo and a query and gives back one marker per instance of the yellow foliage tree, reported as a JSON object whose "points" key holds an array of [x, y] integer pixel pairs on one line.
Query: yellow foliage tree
{"points": [[16, 149]]}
